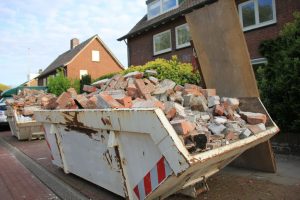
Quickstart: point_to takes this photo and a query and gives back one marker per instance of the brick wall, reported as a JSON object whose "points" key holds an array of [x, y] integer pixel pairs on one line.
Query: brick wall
{"points": [[96, 69], [141, 47]]}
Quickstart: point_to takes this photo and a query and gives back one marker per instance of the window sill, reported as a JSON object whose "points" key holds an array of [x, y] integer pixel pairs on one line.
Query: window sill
{"points": [[249, 28], [162, 52], [183, 46]]}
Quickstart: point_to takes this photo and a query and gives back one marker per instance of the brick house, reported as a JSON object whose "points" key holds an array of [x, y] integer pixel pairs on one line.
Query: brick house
{"points": [[89, 57], [163, 31]]}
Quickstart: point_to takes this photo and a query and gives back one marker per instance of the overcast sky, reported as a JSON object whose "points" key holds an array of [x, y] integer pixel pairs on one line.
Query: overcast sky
{"points": [[34, 32]]}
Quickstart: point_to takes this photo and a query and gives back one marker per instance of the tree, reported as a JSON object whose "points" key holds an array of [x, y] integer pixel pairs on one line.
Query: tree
{"points": [[279, 80], [59, 83], [3, 87]]}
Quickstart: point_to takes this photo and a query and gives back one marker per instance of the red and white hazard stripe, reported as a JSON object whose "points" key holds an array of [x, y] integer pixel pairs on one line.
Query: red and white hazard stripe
{"points": [[153, 179]]}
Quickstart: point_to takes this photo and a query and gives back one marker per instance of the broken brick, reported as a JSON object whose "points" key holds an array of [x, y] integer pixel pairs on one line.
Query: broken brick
{"points": [[73, 92], [143, 90], [254, 118], [208, 92], [148, 104], [125, 101], [65, 101], [257, 128], [89, 88], [219, 110], [107, 101], [183, 127], [136, 74]]}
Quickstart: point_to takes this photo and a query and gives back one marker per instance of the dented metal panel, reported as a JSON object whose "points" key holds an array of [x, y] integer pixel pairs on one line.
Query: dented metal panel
{"points": [[135, 153]]}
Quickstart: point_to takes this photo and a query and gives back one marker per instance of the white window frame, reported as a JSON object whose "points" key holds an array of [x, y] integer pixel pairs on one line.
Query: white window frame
{"points": [[95, 56], [185, 44], [165, 50], [83, 72], [161, 8], [256, 12], [259, 61]]}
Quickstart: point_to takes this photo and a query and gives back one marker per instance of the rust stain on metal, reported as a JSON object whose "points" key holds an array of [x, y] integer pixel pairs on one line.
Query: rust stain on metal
{"points": [[106, 121], [108, 158], [119, 161], [72, 123]]}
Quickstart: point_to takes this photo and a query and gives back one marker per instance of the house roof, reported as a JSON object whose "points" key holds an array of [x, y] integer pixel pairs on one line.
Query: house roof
{"points": [[144, 24], [65, 58]]}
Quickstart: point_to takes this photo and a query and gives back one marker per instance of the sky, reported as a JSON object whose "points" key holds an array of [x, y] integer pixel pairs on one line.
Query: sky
{"points": [[34, 32]]}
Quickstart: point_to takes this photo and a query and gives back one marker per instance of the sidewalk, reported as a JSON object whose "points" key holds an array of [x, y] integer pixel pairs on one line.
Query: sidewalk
{"points": [[16, 182]]}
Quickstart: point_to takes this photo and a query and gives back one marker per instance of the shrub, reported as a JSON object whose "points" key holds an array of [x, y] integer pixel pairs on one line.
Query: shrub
{"points": [[76, 85], [279, 80], [59, 83], [172, 69]]}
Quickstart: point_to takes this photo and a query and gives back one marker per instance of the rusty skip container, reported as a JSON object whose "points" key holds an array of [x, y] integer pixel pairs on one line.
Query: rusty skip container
{"points": [[136, 153], [23, 129]]}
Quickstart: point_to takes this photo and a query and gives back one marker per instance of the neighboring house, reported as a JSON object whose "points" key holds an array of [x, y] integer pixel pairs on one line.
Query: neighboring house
{"points": [[89, 57], [163, 31]]}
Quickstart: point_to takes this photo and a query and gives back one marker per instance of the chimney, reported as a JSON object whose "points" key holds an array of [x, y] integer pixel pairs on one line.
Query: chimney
{"points": [[74, 42]]}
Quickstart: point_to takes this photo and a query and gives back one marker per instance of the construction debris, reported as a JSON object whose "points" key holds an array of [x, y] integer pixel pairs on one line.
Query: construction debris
{"points": [[201, 119], [28, 100]]}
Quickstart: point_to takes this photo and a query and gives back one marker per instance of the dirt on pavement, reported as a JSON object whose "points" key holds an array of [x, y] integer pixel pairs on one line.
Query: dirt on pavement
{"points": [[228, 187]]}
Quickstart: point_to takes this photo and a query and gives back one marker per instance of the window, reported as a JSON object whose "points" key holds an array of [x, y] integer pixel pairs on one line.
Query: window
{"points": [[95, 56], [159, 7], [154, 9], [182, 36], [162, 42], [257, 13], [168, 5], [83, 72]]}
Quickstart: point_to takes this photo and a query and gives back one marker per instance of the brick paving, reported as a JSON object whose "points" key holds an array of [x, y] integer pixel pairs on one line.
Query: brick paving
{"points": [[16, 182], [39, 152]]}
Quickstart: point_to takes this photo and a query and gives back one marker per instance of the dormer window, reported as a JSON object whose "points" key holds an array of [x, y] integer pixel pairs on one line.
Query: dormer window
{"points": [[158, 7]]}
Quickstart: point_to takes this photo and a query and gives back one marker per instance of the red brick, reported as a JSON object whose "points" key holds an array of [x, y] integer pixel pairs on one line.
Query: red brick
{"points": [[126, 101], [192, 91], [65, 101], [219, 110], [132, 91], [73, 92], [82, 100], [89, 88], [178, 88], [107, 101], [231, 136], [144, 90], [183, 127], [254, 118], [208, 92], [91, 103], [49, 103], [148, 104]]}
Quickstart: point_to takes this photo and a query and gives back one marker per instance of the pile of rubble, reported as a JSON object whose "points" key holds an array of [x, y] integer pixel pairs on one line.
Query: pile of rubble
{"points": [[202, 119], [28, 101]]}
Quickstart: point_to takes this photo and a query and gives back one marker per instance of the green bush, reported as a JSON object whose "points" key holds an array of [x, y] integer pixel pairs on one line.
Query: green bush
{"points": [[279, 80], [59, 83], [76, 85], [172, 69]]}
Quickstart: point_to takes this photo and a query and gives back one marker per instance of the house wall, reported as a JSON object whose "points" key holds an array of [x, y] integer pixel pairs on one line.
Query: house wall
{"points": [[284, 14], [141, 46], [96, 69]]}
